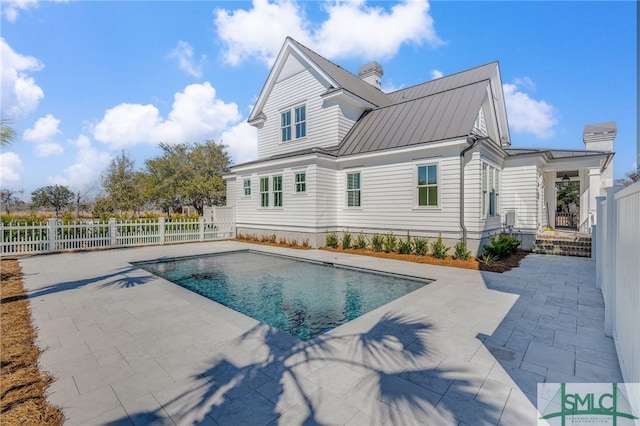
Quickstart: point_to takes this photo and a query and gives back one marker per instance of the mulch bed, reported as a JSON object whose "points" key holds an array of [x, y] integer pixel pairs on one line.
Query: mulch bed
{"points": [[23, 387]]}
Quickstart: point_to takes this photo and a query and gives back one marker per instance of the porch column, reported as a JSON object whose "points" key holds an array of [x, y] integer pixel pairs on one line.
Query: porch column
{"points": [[594, 191]]}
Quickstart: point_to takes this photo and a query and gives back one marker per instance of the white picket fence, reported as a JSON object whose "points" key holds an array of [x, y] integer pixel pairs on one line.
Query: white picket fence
{"points": [[54, 236], [617, 254]]}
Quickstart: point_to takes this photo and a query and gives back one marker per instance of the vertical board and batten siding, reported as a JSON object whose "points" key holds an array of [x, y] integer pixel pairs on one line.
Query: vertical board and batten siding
{"points": [[520, 193], [326, 123]]}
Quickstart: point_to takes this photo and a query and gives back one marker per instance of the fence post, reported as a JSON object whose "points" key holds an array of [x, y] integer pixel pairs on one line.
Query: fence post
{"points": [[53, 232], [201, 227], [113, 232], [598, 240], [609, 277], [161, 229]]}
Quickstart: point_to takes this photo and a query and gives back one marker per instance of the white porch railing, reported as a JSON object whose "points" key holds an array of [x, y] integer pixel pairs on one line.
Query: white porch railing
{"points": [[618, 272], [54, 236]]}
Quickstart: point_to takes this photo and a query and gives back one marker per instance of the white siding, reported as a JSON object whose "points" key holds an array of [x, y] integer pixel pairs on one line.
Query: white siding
{"points": [[520, 193], [327, 123]]}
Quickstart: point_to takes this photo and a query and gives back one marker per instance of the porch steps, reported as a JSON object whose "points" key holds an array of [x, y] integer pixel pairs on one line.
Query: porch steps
{"points": [[579, 246]]}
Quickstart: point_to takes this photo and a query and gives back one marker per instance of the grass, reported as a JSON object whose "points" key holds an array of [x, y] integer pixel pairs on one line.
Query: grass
{"points": [[23, 387]]}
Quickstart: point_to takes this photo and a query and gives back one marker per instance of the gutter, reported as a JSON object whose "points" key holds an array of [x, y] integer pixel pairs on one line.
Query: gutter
{"points": [[472, 140]]}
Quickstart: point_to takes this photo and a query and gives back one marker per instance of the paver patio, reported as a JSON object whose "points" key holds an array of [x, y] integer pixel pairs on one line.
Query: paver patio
{"points": [[128, 347]]}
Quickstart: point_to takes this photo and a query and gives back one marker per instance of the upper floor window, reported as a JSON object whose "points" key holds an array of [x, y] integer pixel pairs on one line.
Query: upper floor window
{"points": [[264, 192], [353, 189], [300, 122], [247, 186], [428, 185], [277, 191], [301, 182]]}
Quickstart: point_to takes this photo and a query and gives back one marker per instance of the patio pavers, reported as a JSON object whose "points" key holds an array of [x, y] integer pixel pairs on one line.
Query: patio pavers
{"points": [[127, 347]]}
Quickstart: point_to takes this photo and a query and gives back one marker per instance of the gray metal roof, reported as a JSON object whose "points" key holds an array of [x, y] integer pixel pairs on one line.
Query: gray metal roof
{"points": [[453, 81], [437, 116], [555, 153], [345, 79]]}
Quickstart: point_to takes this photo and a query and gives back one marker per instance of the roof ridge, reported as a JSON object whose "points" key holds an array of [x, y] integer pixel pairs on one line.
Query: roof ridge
{"points": [[432, 94]]}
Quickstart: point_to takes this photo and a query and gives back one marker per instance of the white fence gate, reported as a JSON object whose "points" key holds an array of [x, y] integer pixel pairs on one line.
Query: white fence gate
{"points": [[55, 236]]}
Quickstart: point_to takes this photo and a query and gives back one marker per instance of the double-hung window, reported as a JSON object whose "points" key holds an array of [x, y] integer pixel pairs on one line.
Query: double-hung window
{"points": [[247, 187], [490, 190], [300, 182], [299, 123], [277, 191], [353, 189], [428, 185], [264, 192]]}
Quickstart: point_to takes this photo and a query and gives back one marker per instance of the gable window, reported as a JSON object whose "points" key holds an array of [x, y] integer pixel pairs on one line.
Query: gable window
{"points": [[428, 185], [264, 192], [353, 189], [247, 186], [490, 191], [301, 182], [285, 125], [301, 122], [277, 191]]}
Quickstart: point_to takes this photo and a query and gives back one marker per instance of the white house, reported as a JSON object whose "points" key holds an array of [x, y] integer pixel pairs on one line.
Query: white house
{"points": [[337, 154]]}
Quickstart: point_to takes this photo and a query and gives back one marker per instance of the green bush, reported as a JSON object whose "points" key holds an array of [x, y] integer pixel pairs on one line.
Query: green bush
{"points": [[438, 248], [460, 251], [332, 240], [361, 242], [376, 242], [404, 247], [346, 241], [390, 242], [501, 246], [420, 246]]}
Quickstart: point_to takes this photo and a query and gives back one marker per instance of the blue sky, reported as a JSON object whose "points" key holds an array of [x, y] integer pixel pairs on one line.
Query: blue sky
{"points": [[83, 80]]}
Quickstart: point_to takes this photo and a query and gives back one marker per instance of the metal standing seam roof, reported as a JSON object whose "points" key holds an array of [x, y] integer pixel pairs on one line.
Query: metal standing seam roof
{"points": [[432, 117]]}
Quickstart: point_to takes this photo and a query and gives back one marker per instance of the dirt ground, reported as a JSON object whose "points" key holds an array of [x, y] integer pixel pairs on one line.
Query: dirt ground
{"points": [[23, 387]]}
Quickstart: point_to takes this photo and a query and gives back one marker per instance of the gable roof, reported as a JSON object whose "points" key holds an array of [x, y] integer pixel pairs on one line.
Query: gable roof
{"points": [[441, 109], [337, 78]]}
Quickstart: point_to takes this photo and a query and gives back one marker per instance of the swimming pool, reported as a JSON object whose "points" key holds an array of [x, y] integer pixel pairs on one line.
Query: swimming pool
{"points": [[299, 297]]}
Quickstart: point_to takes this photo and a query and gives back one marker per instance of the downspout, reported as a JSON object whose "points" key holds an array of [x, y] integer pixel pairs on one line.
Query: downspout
{"points": [[472, 141]]}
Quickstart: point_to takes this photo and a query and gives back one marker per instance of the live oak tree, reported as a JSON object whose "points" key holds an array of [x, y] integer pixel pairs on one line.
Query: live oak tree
{"points": [[123, 185], [57, 197], [187, 174]]}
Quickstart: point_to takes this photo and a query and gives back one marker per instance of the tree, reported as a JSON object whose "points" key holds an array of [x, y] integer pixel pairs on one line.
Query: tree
{"points": [[188, 174], [57, 197], [7, 197], [629, 179], [7, 134], [123, 185], [567, 195]]}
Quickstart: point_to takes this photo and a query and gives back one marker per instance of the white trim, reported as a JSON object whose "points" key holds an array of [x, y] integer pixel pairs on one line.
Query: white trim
{"points": [[346, 190], [416, 199]]}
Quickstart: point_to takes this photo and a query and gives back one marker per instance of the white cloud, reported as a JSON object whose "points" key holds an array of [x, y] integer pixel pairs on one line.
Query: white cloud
{"points": [[183, 53], [12, 8], [242, 142], [436, 74], [20, 93], [42, 134], [196, 115], [525, 82], [89, 164], [352, 29], [10, 168], [527, 115]]}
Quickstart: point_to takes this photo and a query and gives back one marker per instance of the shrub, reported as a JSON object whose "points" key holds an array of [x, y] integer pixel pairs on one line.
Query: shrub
{"points": [[305, 243], [292, 242], [460, 251], [420, 246], [404, 247], [332, 240], [390, 242], [438, 248], [501, 246], [488, 259], [361, 241], [346, 240], [376, 242], [282, 241]]}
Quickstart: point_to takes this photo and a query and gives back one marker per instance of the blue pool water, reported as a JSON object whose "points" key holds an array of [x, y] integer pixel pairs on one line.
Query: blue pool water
{"points": [[301, 298]]}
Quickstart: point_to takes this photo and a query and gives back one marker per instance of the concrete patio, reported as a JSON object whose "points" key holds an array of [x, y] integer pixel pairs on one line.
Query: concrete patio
{"points": [[127, 347]]}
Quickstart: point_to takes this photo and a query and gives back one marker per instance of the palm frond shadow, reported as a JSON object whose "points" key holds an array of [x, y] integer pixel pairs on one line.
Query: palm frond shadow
{"points": [[391, 367]]}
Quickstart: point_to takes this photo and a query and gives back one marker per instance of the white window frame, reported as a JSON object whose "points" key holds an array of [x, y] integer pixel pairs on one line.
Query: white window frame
{"points": [[357, 190], [300, 185], [276, 190], [264, 192], [292, 126], [417, 185], [490, 190], [246, 189]]}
